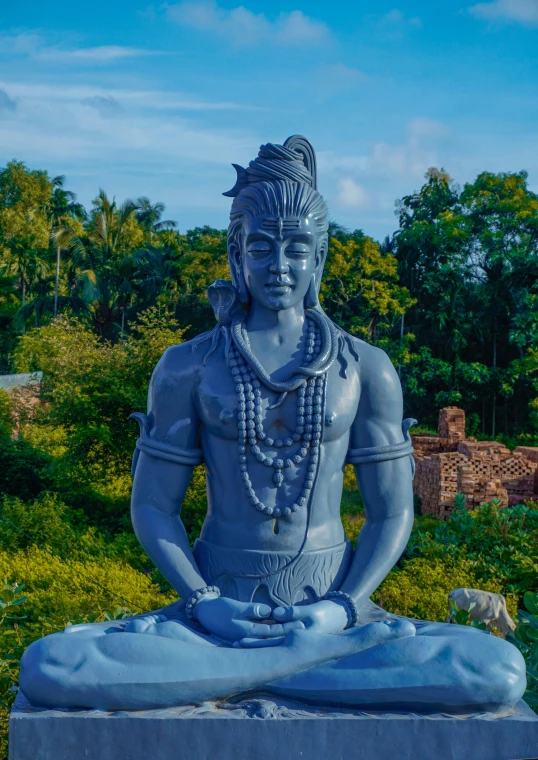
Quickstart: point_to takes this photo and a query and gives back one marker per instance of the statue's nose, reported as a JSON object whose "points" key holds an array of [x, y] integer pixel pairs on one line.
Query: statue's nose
{"points": [[279, 265]]}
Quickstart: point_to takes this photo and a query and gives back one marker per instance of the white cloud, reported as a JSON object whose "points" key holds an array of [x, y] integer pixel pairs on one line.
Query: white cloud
{"points": [[243, 27], [369, 181], [407, 159], [35, 46], [422, 128], [6, 103], [521, 11], [105, 105], [351, 195], [65, 124], [101, 54], [159, 100], [396, 21], [338, 74]]}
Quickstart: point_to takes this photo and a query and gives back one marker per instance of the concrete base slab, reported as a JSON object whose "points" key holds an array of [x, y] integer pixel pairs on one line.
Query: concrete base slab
{"points": [[263, 728]]}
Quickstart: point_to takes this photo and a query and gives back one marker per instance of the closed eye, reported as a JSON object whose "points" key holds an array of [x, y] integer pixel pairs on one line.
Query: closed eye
{"points": [[259, 250], [298, 250]]}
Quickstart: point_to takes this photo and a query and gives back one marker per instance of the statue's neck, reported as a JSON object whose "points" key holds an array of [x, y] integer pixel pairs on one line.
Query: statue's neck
{"points": [[286, 324]]}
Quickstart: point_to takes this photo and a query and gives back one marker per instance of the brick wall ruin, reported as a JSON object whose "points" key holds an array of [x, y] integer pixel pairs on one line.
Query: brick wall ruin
{"points": [[449, 463]]}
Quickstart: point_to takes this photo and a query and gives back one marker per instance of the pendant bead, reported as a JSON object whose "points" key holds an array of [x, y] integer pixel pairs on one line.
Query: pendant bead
{"points": [[309, 411]]}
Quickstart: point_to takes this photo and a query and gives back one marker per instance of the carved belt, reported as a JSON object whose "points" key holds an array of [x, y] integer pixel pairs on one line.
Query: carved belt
{"points": [[274, 578]]}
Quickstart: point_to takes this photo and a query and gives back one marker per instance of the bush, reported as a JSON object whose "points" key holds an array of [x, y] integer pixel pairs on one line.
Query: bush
{"points": [[501, 544], [526, 639], [69, 590], [90, 389], [22, 468], [420, 588], [6, 414], [60, 592]]}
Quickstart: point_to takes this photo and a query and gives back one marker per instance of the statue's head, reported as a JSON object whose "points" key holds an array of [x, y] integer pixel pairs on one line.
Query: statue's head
{"points": [[277, 237]]}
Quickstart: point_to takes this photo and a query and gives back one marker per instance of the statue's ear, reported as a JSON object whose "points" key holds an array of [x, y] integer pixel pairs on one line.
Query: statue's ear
{"points": [[236, 270], [321, 255], [234, 254]]}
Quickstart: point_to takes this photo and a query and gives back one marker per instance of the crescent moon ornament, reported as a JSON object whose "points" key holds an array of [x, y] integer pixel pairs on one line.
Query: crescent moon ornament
{"points": [[240, 182]]}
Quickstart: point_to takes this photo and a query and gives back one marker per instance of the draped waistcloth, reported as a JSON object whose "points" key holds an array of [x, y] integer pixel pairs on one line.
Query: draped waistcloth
{"points": [[274, 578]]}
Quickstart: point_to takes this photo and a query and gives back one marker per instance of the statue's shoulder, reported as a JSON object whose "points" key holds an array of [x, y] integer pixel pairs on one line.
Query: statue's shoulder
{"points": [[373, 364], [180, 367], [174, 382], [185, 358]]}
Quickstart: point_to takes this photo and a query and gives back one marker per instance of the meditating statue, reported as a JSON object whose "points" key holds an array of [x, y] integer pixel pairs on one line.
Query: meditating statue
{"points": [[273, 599]]}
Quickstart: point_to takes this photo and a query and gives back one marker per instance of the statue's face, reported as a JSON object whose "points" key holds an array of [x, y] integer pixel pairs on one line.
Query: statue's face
{"points": [[279, 257]]}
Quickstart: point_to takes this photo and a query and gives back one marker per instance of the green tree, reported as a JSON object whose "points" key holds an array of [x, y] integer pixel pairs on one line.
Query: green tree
{"points": [[26, 263], [63, 209], [90, 388], [24, 199], [469, 258], [149, 215], [101, 265], [360, 288]]}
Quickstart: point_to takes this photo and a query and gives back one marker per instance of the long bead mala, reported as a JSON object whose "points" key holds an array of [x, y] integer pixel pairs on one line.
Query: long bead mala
{"points": [[307, 434]]}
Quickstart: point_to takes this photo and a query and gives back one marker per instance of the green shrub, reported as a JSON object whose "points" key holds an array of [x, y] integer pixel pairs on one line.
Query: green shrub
{"points": [[60, 592], [420, 588], [525, 637], [22, 468], [90, 389], [6, 414], [501, 544]]}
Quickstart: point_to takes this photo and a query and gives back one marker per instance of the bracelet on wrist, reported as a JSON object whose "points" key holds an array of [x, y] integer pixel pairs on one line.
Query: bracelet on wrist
{"points": [[198, 596], [351, 607]]}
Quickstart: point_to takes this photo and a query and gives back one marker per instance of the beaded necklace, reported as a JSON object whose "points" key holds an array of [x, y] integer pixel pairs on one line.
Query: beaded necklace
{"points": [[307, 435]]}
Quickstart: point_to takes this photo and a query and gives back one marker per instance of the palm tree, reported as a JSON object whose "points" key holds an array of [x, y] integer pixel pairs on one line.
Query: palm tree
{"points": [[24, 262], [62, 209], [153, 272], [149, 215], [101, 263]]}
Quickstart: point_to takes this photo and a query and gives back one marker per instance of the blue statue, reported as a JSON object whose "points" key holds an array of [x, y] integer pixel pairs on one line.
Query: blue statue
{"points": [[275, 400]]}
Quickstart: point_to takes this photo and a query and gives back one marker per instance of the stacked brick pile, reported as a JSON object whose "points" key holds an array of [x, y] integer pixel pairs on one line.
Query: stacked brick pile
{"points": [[450, 463], [531, 453], [451, 423]]}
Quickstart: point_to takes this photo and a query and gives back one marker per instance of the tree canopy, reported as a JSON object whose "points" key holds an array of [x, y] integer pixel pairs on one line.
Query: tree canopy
{"points": [[452, 295]]}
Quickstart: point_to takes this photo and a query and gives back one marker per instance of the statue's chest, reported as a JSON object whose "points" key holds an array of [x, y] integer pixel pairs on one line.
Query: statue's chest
{"points": [[218, 405]]}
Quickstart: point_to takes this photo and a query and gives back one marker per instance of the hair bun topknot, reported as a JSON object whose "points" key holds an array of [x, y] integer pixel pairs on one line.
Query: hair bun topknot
{"points": [[295, 161]]}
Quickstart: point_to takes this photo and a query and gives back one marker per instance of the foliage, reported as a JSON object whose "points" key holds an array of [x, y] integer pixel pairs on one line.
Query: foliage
{"points": [[452, 295], [525, 637], [24, 196], [360, 288], [23, 468], [463, 617], [420, 588], [90, 389], [501, 544], [61, 592], [6, 414], [468, 256], [69, 589]]}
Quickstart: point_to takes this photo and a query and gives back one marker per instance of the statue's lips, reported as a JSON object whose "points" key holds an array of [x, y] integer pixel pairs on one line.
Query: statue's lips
{"points": [[278, 288]]}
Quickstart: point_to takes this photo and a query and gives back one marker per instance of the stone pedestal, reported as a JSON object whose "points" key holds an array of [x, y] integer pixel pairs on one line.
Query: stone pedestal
{"points": [[263, 729]]}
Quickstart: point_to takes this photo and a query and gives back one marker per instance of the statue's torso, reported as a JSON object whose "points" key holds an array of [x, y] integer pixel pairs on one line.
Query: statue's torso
{"points": [[232, 521]]}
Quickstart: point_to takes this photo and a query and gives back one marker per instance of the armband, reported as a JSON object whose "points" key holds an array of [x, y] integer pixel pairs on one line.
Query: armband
{"points": [[385, 453], [160, 450]]}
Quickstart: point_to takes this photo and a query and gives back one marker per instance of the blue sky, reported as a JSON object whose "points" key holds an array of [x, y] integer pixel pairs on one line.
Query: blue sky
{"points": [[160, 99]]}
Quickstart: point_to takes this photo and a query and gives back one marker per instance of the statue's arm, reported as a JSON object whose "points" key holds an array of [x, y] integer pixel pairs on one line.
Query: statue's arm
{"points": [[159, 483], [385, 486]]}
